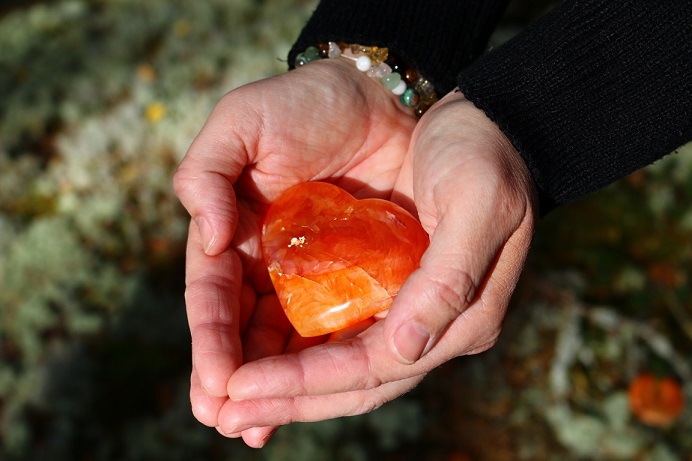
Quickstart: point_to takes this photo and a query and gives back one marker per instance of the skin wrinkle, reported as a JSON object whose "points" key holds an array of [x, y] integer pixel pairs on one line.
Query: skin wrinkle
{"points": [[441, 288], [266, 382], [248, 140], [372, 124], [215, 309], [360, 354], [312, 408], [368, 405], [296, 365], [215, 337], [484, 346], [273, 150], [203, 407], [233, 423], [370, 378], [186, 184]]}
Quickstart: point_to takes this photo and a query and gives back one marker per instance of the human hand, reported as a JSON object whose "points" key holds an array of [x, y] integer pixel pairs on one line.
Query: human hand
{"points": [[475, 197], [323, 121]]}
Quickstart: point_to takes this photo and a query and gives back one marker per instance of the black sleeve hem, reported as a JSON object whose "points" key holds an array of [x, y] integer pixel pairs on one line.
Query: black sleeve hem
{"points": [[592, 91], [437, 37]]}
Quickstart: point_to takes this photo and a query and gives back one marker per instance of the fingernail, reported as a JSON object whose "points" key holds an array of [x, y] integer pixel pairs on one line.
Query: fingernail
{"points": [[266, 438], [410, 341], [207, 233]]}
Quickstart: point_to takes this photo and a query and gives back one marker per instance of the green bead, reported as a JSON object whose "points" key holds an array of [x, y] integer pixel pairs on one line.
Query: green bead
{"points": [[391, 81], [410, 98], [312, 53], [300, 60]]}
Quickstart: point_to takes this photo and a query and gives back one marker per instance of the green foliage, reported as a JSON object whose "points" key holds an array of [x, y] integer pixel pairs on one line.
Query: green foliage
{"points": [[92, 327]]}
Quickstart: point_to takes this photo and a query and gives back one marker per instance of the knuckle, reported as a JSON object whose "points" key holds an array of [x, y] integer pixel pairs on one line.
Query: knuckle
{"points": [[368, 405], [454, 290], [484, 346], [365, 375], [489, 334], [180, 181], [211, 298], [371, 378]]}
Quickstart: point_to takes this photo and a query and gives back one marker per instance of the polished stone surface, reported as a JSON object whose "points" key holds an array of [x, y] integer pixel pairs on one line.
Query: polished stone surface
{"points": [[335, 260]]}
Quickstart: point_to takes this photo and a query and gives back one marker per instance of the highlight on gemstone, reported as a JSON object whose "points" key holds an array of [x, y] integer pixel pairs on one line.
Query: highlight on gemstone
{"points": [[334, 260]]}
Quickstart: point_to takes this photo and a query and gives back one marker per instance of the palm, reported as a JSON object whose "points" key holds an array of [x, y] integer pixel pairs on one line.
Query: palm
{"points": [[358, 141], [338, 125]]}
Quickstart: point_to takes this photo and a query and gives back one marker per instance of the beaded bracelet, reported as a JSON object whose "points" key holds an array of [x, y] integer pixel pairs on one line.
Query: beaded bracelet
{"points": [[414, 91]]}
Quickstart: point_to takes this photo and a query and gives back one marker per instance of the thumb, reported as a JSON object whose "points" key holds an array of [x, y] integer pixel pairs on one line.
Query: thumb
{"points": [[204, 180], [474, 195], [445, 285]]}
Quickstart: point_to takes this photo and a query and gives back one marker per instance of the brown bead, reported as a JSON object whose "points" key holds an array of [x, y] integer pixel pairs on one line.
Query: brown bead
{"points": [[323, 50], [410, 75]]}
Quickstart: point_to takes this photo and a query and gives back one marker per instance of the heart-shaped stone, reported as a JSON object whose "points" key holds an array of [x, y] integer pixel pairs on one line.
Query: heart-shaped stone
{"points": [[335, 260]]}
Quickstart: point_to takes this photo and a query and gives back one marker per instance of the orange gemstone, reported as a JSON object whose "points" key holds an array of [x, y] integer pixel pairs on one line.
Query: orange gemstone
{"points": [[656, 401], [334, 260]]}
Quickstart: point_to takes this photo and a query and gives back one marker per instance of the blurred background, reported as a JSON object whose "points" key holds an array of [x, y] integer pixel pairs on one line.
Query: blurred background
{"points": [[99, 100]]}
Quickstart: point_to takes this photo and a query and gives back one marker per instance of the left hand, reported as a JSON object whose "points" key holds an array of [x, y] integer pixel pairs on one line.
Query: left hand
{"points": [[476, 199]]}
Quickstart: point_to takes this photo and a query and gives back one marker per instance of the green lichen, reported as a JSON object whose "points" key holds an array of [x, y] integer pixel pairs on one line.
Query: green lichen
{"points": [[94, 346]]}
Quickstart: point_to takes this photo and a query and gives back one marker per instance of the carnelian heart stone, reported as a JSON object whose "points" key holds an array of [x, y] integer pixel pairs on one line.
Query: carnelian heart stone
{"points": [[335, 260]]}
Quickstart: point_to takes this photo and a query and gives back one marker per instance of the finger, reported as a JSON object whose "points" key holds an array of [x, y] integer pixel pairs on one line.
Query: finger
{"points": [[248, 301], [268, 331], [254, 437], [472, 245], [212, 296], [204, 179], [242, 415], [266, 335], [451, 272], [363, 362], [232, 435], [471, 201], [205, 408], [257, 437]]}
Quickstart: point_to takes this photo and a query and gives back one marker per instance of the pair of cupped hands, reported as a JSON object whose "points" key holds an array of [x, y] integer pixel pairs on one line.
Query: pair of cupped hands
{"points": [[326, 121]]}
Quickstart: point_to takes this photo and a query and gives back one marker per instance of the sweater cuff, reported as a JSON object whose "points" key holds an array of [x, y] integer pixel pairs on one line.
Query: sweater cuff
{"points": [[437, 37], [592, 91]]}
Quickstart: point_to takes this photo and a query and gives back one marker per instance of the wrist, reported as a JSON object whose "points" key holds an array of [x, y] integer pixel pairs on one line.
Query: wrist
{"points": [[394, 75], [455, 126]]}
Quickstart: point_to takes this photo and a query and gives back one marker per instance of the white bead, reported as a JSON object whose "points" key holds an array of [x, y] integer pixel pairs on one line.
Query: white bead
{"points": [[380, 70], [363, 63], [334, 50], [400, 88]]}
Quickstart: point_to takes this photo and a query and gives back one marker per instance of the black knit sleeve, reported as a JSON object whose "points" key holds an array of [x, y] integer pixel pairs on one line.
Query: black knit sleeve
{"points": [[437, 37], [592, 91]]}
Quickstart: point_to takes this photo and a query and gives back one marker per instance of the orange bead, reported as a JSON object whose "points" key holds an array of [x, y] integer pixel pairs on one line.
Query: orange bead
{"points": [[334, 260], [656, 401]]}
